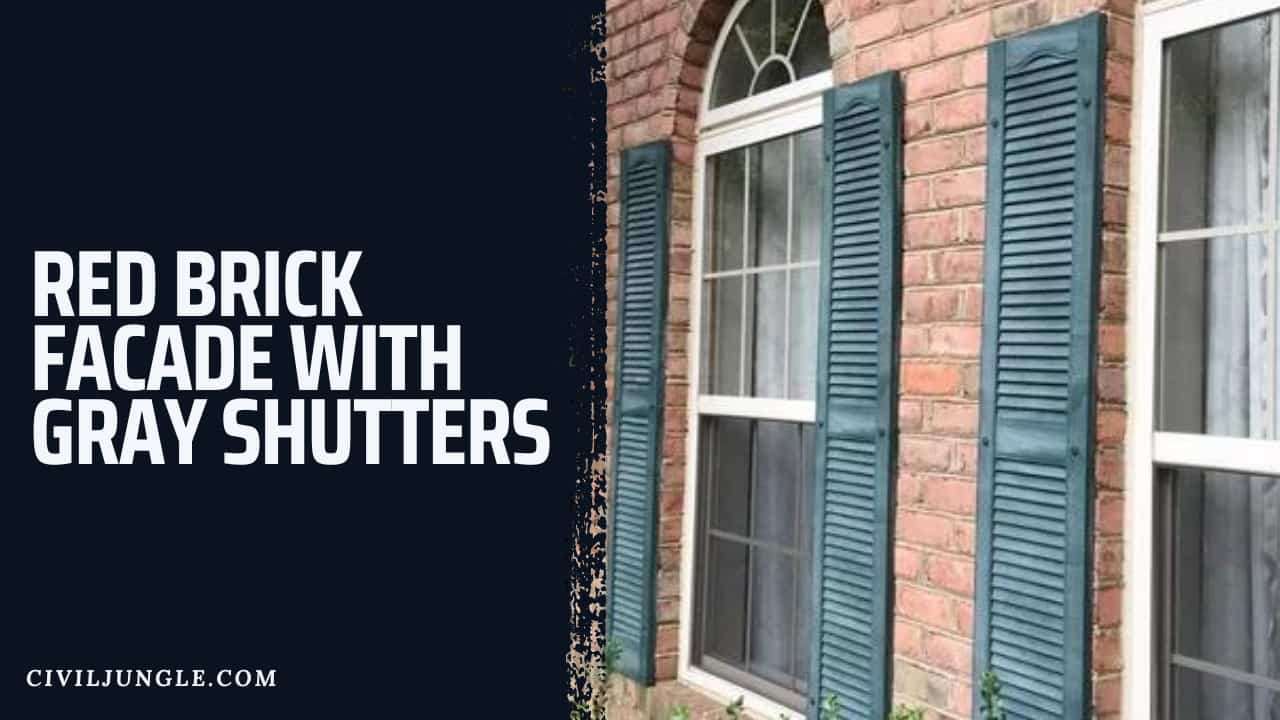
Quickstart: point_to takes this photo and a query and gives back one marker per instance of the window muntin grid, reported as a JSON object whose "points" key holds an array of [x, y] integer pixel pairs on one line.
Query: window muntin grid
{"points": [[771, 43]]}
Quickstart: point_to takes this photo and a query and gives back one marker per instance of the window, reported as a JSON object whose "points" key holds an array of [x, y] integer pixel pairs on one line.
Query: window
{"points": [[770, 44], [1210, 251], [748, 531]]}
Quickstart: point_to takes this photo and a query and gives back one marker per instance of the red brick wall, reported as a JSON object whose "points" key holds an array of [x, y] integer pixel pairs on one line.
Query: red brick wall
{"points": [[657, 53]]}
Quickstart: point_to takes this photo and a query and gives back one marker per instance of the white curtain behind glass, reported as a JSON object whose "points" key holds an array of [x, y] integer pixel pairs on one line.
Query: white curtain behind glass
{"points": [[1241, 550]]}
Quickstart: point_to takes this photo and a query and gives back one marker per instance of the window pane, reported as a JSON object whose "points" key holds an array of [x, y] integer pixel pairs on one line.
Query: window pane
{"points": [[811, 55], [727, 471], [726, 180], [722, 336], [1204, 696], [770, 300], [753, 618], [733, 73], [777, 482], [773, 608], [1218, 329], [770, 176], [803, 361], [773, 74], [755, 24], [807, 211], [725, 614], [788, 17], [1218, 125], [1224, 561]]}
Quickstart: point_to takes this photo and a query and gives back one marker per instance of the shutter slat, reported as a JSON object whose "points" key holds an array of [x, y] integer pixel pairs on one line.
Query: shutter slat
{"points": [[856, 400], [636, 430], [1039, 327]]}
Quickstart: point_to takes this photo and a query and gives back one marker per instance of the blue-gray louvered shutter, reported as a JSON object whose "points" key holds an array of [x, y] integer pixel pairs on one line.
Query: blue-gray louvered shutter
{"points": [[1044, 197], [857, 398], [637, 410]]}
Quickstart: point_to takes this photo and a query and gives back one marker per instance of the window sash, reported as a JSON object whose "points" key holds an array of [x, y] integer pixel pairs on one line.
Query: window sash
{"points": [[1206, 451], [801, 411], [1161, 21]]}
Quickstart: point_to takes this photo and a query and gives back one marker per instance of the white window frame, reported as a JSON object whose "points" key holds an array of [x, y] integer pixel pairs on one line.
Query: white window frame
{"points": [[792, 108], [1160, 22]]}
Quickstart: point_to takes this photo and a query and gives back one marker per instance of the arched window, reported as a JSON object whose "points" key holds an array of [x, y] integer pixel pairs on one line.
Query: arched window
{"points": [[768, 44], [759, 183]]}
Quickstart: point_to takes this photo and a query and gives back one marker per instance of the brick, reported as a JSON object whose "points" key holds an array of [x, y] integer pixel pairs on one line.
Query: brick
{"points": [[948, 653], [930, 231], [1115, 166], [950, 574], [915, 269], [906, 563], [930, 305], [925, 606], [905, 53], [667, 639], [1111, 425], [960, 112], [932, 156], [1108, 606], [975, 148], [910, 415], [964, 538], [953, 418], [914, 341], [1111, 384], [932, 81], [949, 495], [915, 195], [1108, 559], [1119, 80], [1118, 123], [909, 488], [964, 617], [1111, 341], [921, 378], [1009, 20], [869, 62], [955, 340], [966, 187], [878, 25], [925, 529], [973, 69], [1108, 695], [1108, 653], [1120, 37], [1109, 515], [966, 457], [1113, 297], [961, 35], [664, 667], [908, 640], [924, 453], [1109, 469], [959, 266], [973, 225], [917, 121], [920, 13]]}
